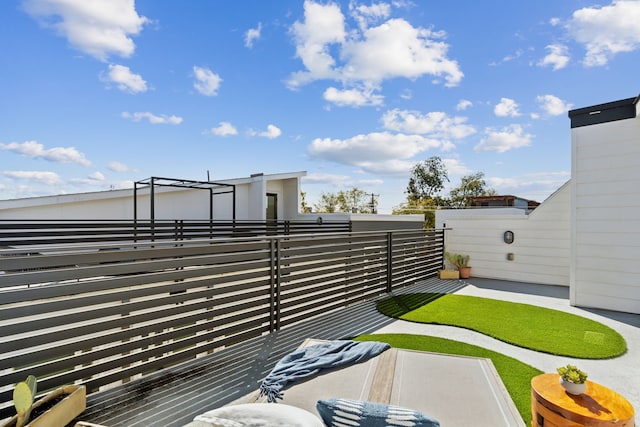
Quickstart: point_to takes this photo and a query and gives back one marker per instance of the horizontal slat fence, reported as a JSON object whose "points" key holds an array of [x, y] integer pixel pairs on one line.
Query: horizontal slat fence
{"points": [[39, 232], [107, 313]]}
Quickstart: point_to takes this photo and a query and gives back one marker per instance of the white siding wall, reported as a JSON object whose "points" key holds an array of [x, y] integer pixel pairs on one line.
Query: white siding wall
{"points": [[291, 200], [540, 249], [257, 200], [606, 216]]}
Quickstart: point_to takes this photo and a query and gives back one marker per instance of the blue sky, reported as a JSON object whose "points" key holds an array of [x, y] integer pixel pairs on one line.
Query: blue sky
{"points": [[97, 94]]}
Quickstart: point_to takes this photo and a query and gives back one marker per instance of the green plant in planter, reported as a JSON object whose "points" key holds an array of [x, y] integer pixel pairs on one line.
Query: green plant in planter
{"points": [[460, 261], [23, 395], [572, 374]]}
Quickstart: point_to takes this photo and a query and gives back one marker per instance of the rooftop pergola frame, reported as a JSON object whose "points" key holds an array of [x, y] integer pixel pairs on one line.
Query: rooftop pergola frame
{"points": [[214, 188]]}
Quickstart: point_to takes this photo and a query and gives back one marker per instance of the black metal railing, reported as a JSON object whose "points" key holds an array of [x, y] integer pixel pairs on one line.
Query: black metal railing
{"points": [[102, 314], [39, 232]]}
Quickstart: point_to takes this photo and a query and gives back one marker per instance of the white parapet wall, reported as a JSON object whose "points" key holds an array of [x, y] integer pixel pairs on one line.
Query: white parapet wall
{"points": [[540, 251]]}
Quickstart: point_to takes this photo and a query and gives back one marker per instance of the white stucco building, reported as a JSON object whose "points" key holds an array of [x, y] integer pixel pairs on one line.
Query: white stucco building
{"points": [[279, 192], [586, 235], [258, 197]]}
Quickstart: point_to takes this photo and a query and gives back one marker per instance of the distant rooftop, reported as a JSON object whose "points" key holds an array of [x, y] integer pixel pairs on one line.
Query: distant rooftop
{"points": [[504, 200]]}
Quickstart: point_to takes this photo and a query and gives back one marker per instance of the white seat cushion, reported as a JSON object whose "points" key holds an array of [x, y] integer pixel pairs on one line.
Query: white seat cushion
{"points": [[256, 415]]}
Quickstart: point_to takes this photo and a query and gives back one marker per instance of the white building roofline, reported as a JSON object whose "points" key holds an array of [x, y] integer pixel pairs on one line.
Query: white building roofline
{"points": [[127, 192]]}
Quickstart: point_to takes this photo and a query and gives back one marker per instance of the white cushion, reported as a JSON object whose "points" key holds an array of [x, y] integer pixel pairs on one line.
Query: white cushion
{"points": [[259, 414]]}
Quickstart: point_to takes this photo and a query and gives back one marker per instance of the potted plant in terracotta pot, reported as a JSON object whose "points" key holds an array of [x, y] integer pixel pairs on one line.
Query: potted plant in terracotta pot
{"points": [[572, 379], [461, 262], [57, 408]]}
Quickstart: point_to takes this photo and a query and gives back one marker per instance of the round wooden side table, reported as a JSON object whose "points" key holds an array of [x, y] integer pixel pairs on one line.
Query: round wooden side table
{"points": [[599, 406]]}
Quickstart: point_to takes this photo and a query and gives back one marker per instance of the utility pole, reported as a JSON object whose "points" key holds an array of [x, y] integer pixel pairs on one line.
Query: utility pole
{"points": [[372, 204]]}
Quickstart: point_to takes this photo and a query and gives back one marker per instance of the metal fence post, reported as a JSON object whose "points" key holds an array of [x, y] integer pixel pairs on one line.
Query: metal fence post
{"points": [[278, 278], [272, 285], [389, 260], [443, 248]]}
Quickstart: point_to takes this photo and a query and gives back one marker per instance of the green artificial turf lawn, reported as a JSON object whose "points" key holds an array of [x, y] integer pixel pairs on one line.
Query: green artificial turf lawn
{"points": [[536, 328], [515, 375]]}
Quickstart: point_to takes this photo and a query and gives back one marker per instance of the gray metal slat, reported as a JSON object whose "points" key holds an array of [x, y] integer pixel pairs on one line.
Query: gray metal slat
{"points": [[124, 321], [131, 339]]}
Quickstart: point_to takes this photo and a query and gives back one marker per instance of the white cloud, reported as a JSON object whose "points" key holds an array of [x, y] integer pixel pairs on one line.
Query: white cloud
{"points": [[97, 176], [517, 54], [455, 167], [152, 118], [207, 82], [48, 178], [558, 57], [606, 31], [352, 97], [435, 124], [504, 139], [533, 186], [224, 129], [367, 15], [118, 167], [326, 178], [36, 150], [124, 79], [406, 94], [98, 28], [368, 55], [378, 152], [506, 108], [552, 105], [252, 35], [323, 25], [272, 132], [397, 167], [121, 184], [464, 104], [339, 180], [397, 49]]}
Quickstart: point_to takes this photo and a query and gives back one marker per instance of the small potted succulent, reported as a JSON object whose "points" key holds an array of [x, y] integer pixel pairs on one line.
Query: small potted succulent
{"points": [[573, 379], [461, 262]]}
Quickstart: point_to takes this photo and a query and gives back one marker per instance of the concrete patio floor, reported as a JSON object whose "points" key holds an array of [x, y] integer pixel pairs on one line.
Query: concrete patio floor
{"points": [[621, 374]]}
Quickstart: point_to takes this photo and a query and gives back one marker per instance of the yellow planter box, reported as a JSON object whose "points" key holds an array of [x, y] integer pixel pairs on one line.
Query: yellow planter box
{"points": [[72, 405], [448, 274]]}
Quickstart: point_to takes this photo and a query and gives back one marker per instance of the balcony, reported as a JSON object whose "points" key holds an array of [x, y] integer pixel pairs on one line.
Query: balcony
{"points": [[125, 317], [160, 331]]}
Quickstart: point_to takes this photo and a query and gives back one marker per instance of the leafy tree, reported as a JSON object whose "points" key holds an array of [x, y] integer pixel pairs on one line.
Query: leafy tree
{"points": [[427, 207], [304, 208], [471, 186], [427, 179], [345, 201], [328, 203], [354, 198]]}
